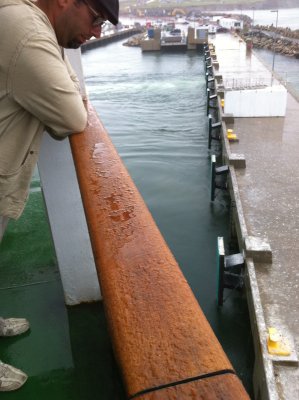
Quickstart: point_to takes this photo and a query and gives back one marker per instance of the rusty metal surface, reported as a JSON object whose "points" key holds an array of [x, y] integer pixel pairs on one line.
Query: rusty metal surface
{"points": [[158, 330], [226, 387]]}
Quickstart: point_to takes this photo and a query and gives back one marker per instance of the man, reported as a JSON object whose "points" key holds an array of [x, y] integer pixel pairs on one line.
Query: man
{"points": [[38, 91]]}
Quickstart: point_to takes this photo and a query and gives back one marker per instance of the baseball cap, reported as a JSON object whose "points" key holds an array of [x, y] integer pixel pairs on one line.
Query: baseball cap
{"points": [[111, 8]]}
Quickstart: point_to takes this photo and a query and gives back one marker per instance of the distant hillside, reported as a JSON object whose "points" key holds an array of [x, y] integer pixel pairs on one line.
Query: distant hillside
{"points": [[216, 4], [275, 4], [257, 4]]}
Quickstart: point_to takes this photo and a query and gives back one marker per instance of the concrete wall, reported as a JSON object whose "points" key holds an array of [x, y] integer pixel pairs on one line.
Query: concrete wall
{"points": [[152, 44], [194, 39], [266, 102]]}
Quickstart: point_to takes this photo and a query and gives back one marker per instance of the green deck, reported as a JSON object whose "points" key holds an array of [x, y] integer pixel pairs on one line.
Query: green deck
{"points": [[67, 352]]}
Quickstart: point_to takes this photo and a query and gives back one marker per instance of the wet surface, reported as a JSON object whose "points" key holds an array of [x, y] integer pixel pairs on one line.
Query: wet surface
{"points": [[184, 213], [239, 68], [269, 190], [28, 265], [67, 353], [160, 132]]}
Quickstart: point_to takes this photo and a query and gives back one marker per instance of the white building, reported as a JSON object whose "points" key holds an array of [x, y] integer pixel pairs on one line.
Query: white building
{"points": [[230, 23]]}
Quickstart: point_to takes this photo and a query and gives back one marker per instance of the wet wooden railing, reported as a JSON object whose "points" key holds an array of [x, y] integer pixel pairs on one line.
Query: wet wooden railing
{"points": [[162, 341]]}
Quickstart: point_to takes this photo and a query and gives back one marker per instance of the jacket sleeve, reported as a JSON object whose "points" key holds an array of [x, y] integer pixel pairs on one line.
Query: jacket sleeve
{"points": [[41, 83]]}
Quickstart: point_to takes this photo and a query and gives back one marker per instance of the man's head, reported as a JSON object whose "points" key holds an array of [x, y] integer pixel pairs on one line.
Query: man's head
{"points": [[110, 8], [75, 21]]}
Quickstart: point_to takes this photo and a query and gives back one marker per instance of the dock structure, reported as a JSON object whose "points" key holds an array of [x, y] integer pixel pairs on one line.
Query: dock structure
{"points": [[264, 194], [191, 41]]}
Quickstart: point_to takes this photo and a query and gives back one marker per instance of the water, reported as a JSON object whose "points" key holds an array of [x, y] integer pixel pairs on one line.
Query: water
{"points": [[287, 17], [154, 107], [287, 68]]}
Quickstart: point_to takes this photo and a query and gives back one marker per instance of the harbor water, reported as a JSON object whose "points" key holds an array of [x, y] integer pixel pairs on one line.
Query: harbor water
{"points": [[287, 17], [154, 107], [286, 68]]}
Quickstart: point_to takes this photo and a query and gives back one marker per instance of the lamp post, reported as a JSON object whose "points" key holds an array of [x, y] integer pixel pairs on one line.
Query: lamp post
{"points": [[253, 9], [274, 52]]}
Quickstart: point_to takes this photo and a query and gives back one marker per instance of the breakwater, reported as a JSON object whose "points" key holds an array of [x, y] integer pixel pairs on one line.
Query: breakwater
{"points": [[288, 46], [109, 38], [135, 41]]}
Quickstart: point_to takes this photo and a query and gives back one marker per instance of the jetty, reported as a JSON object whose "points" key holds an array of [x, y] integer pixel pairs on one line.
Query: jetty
{"points": [[109, 37], [286, 45], [155, 41], [263, 182]]}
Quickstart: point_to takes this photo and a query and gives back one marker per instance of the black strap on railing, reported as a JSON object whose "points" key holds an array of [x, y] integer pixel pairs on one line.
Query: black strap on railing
{"points": [[181, 382]]}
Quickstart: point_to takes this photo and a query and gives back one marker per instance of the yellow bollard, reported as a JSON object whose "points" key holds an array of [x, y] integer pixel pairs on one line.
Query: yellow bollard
{"points": [[222, 103], [232, 137], [277, 345]]}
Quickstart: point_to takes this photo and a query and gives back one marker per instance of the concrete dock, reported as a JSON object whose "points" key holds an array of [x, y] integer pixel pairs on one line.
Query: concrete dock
{"points": [[266, 195]]}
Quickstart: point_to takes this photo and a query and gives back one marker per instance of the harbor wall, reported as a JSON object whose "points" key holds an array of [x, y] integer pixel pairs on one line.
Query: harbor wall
{"points": [[261, 102], [268, 384], [109, 38]]}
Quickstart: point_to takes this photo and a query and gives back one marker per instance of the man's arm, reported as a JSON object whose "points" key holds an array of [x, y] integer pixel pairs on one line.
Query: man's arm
{"points": [[41, 83]]}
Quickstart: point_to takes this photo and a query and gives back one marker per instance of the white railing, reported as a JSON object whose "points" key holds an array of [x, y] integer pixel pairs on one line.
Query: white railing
{"points": [[250, 82]]}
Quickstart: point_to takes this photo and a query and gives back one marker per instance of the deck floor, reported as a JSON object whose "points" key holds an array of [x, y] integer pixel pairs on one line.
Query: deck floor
{"points": [[67, 352]]}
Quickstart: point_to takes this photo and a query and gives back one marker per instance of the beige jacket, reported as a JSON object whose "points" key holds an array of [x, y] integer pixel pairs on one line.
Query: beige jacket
{"points": [[38, 90]]}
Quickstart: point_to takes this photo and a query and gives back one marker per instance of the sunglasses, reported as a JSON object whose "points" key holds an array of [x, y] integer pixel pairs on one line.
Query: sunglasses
{"points": [[98, 19]]}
